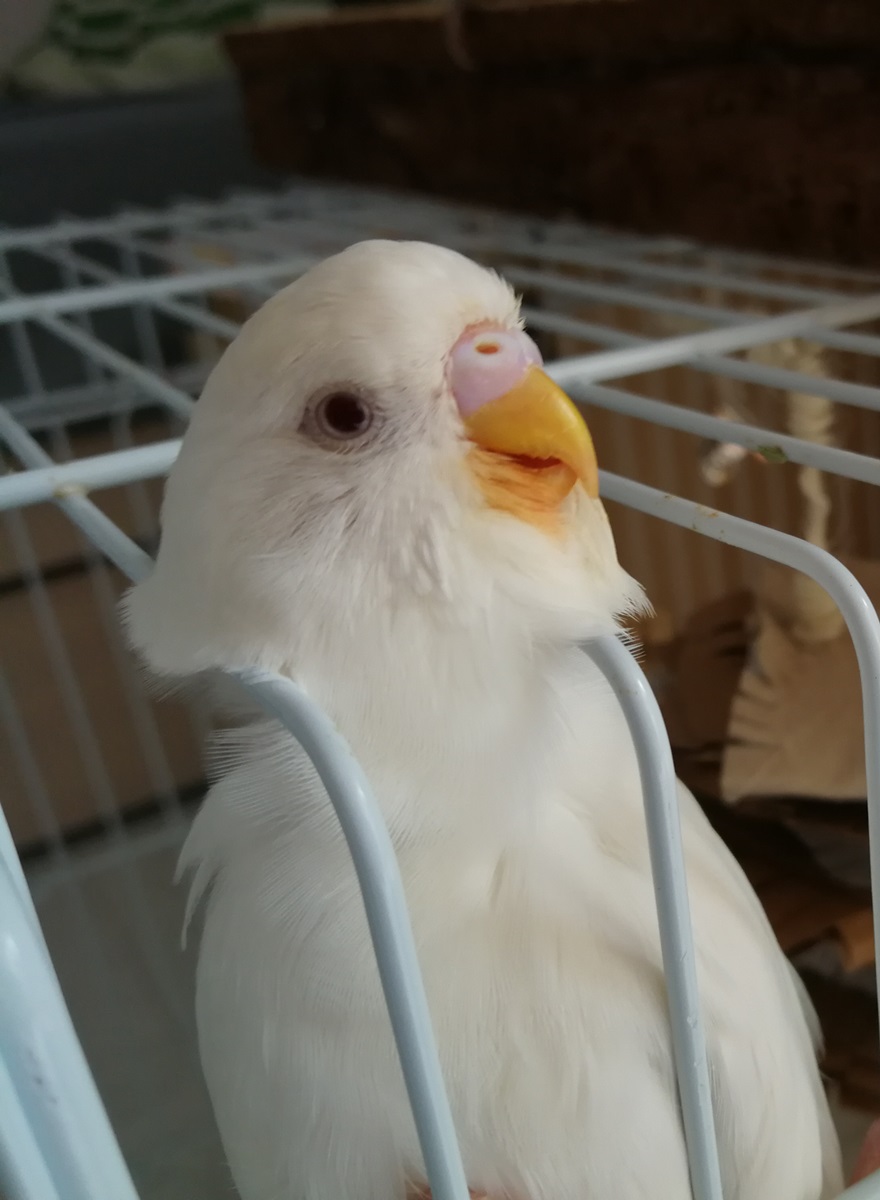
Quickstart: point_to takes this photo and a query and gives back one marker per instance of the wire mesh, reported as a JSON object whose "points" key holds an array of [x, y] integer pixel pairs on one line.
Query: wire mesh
{"points": [[108, 328]]}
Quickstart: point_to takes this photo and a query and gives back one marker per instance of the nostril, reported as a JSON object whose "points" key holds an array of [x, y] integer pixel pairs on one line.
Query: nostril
{"points": [[486, 363]]}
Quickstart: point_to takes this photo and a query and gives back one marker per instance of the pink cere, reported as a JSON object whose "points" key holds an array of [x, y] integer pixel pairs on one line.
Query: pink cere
{"points": [[487, 363]]}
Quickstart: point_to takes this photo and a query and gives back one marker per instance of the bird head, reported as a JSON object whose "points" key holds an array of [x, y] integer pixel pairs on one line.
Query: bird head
{"points": [[380, 439]]}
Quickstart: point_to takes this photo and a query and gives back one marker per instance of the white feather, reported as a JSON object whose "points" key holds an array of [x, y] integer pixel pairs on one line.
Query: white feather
{"points": [[439, 636]]}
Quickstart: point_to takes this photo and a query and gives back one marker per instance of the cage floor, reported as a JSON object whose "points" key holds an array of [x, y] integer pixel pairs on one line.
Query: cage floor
{"points": [[112, 920], [129, 986]]}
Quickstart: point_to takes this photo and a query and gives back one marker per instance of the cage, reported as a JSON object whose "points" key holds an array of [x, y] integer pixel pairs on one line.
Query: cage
{"points": [[697, 364]]}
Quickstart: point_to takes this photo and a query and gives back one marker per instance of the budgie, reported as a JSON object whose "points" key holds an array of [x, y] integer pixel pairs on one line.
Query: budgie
{"points": [[383, 496]]}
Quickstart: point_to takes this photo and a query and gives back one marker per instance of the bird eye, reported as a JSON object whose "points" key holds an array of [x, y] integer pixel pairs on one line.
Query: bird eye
{"points": [[343, 415]]}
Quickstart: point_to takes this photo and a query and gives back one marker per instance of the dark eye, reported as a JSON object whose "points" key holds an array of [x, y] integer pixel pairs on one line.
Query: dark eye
{"points": [[343, 415]]}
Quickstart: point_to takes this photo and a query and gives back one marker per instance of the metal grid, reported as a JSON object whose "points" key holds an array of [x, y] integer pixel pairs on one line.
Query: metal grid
{"points": [[159, 270]]}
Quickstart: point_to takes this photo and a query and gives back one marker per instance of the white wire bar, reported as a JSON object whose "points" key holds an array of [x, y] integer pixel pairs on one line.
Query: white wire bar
{"points": [[52, 1124], [270, 238], [855, 605]]}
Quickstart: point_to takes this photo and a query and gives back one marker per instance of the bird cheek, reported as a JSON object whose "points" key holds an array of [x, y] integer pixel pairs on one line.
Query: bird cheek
{"points": [[532, 495]]}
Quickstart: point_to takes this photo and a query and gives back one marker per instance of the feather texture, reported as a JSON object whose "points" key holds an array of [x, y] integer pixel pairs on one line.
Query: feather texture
{"points": [[440, 636]]}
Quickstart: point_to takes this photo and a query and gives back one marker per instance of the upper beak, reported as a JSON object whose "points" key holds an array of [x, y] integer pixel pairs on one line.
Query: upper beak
{"points": [[536, 422]]}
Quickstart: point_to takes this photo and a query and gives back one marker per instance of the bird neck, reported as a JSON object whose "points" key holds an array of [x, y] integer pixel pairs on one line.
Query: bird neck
{"points": [[438, 713]]}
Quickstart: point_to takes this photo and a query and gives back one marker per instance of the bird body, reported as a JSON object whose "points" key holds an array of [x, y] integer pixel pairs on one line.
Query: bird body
{"points": [[425, 573]]}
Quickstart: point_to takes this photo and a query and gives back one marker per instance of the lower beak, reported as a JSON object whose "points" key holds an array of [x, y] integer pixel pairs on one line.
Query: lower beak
{"points": [[534, 440]]}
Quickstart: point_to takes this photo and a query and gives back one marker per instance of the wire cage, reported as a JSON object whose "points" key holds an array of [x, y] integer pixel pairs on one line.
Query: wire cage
{"points": [[108, 329]]}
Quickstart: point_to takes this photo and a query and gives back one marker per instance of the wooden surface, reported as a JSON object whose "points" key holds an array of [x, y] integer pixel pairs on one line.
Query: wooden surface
{"points": [[772, 838], [737, 122], [804, 904], [849, 1023], [108, 683]]}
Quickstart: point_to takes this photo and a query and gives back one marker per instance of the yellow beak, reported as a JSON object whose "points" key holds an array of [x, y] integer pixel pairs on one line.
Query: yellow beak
{"points": [[532, 447]]}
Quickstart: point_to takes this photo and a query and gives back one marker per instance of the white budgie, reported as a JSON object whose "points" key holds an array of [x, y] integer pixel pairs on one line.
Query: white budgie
{"points": [[384, 497]]}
